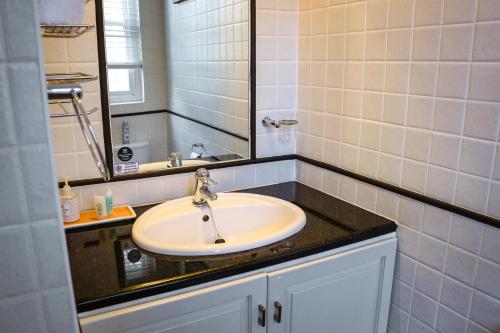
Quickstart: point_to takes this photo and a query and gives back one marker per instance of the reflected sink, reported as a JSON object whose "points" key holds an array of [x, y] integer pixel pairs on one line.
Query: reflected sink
{"points": [[245, 221]]}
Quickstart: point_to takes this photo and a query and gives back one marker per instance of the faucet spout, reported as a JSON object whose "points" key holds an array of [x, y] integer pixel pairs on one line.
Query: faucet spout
{"points": [[203, 192]]}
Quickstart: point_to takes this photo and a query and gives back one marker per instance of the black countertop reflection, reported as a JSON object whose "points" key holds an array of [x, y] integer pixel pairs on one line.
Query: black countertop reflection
{"points": [[107, 268]]}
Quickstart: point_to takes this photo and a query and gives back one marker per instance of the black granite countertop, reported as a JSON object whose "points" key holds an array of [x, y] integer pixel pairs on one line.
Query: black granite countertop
{"points": [[107, 268]]}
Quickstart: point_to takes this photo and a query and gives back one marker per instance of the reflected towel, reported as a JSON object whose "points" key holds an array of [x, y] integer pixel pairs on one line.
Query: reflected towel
{"points": [[62, 11]]}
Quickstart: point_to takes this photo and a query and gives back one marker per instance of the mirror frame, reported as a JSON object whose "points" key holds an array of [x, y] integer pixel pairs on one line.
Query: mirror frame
{"points": [[106, 115]]}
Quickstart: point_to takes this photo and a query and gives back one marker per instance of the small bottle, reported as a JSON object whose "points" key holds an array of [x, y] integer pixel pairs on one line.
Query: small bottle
{"points": [[70, 204], [125, 133], [109, 202], [100, 207]]}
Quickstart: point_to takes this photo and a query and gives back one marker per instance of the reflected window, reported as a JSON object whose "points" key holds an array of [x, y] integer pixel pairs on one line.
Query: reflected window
{"points": [[122, 27]]}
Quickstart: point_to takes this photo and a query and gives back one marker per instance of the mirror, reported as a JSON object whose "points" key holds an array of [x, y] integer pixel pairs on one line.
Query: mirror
{"points": [[177, 82]]}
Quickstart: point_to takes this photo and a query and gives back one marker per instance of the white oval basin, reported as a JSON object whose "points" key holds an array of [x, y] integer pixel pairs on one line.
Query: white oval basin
{"points": [[245, 221]]}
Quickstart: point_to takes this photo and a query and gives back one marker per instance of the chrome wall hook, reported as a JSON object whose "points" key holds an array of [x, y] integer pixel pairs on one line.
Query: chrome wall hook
{"points": [[267, 122]]}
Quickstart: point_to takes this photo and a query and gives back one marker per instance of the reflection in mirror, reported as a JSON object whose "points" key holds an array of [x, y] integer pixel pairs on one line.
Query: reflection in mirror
{"points": [[177, 82]]}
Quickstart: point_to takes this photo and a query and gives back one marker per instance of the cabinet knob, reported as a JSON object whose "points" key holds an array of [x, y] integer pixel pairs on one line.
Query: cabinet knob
{"points": [[262, 315], [277, 312]]}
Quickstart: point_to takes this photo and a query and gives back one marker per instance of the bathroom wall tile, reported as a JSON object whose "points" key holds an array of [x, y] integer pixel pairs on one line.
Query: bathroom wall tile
{"points": [[398, 320], [46, 244], [475, 328], [420, 111], [441, 183], [490, 246], [396, 77], [390, 169], [401, 295], [376, 14], [436, 222], [417, 144], [374, 76], [471, 192], [366, 197], [456, 42], [33, 159], [488, 275], [493, 200], [428, 12], [18, 275], [456, 295], [405, 268], [7, 125], [450, 321], [387, 204], [368, 163], [477, 157], [416, 326], [465, 234], [432, 252], [14, 210], [23, 314], [488, 10], [392, 140], [370, 135], [17, 31], [452, 80], [423, 78], [150, 190], [486, 42], [375, 45], [372, 105], [29, 112], [459, 11], [484, 311], [60, 310], [428, 281], [408, 241], [395, 108], [424, 308], [414, 175], [399, 44], [481, 120], [484, 77], [444, 150], [460, 265], [410, 213], [355, 16], [449, 115], [400, 13], [426, 43], [496, 167]]}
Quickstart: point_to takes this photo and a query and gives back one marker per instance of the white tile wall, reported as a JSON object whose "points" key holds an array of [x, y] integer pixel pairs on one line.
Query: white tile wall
{"points": [[448, 267], [207, 74], [35, 286], [276, 57], [71, 155], [409, 95]]}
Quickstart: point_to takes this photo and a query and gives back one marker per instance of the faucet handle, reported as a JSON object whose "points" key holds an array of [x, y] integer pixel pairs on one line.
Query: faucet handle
{"points": [[202, 173]]}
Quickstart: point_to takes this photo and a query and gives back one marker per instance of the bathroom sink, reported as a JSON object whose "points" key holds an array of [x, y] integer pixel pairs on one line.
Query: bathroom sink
{"points": [[242, 221]]}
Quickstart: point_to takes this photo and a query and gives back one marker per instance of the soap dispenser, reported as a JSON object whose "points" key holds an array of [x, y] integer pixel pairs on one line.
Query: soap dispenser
{"points": [[70, 203]]}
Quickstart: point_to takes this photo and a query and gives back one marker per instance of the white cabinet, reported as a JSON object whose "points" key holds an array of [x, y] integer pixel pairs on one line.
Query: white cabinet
{"points": [[339, 292], [344, 293], [228, 307]]}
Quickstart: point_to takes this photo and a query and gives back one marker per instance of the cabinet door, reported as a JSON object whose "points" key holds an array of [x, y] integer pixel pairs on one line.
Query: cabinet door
{"points": [[228, 307], [344, 293]]}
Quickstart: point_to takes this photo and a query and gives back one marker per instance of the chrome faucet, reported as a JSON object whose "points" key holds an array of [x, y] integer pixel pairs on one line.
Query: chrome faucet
{"points": [[203, 192], [175, 159]]}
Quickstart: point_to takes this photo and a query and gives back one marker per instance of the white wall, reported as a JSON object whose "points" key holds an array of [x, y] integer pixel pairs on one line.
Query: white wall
{"points": [[35, 286], [405, 91], [207, 72]]}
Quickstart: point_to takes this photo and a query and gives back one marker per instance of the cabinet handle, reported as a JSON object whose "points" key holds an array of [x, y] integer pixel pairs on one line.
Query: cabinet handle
{"points": [[277, 312], [262, 316]]}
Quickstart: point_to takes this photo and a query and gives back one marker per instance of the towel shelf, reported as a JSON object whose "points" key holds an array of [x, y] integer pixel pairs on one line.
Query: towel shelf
{"points": [[64, 30], [68, 114], [68, 78]]}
